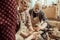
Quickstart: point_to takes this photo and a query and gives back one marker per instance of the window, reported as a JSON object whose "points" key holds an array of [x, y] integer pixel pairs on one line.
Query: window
{"points": [[48, 2]]}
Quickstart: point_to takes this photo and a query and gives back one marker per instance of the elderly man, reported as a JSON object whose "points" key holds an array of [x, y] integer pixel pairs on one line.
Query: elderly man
{"points": [[37, 16], [8, 19]]}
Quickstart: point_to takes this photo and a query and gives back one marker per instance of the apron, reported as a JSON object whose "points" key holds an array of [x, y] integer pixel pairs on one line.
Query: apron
{"points": [[37, 22]]}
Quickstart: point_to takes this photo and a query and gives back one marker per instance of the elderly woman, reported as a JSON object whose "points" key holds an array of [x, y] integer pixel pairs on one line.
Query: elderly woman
{"points": [[25, 21]]}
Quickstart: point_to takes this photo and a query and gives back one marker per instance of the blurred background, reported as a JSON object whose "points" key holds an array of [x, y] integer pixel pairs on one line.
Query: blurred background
{"points": [[50, 7]]}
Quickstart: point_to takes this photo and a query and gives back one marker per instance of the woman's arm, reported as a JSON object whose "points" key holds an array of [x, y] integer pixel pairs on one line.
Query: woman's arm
{"points": [[32, 36], [29, 24], [23, 34]]}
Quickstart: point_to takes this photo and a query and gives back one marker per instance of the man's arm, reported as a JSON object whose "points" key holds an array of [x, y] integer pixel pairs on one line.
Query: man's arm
{"points": [[42, 16]]}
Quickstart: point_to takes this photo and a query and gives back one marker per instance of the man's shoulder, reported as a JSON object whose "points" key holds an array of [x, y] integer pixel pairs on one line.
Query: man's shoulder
{"points": [[41, 12], [30, 11]]}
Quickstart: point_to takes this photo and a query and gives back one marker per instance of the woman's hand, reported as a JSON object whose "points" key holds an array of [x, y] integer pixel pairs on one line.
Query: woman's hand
{"points": [[35, 35]]}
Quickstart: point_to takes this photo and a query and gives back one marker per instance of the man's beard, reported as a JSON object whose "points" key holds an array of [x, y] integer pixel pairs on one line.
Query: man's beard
{"points": [[37, 11]]}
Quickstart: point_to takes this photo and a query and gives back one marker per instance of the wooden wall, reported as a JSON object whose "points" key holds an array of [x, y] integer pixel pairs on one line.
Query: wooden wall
{"points": [[50, 12]]}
